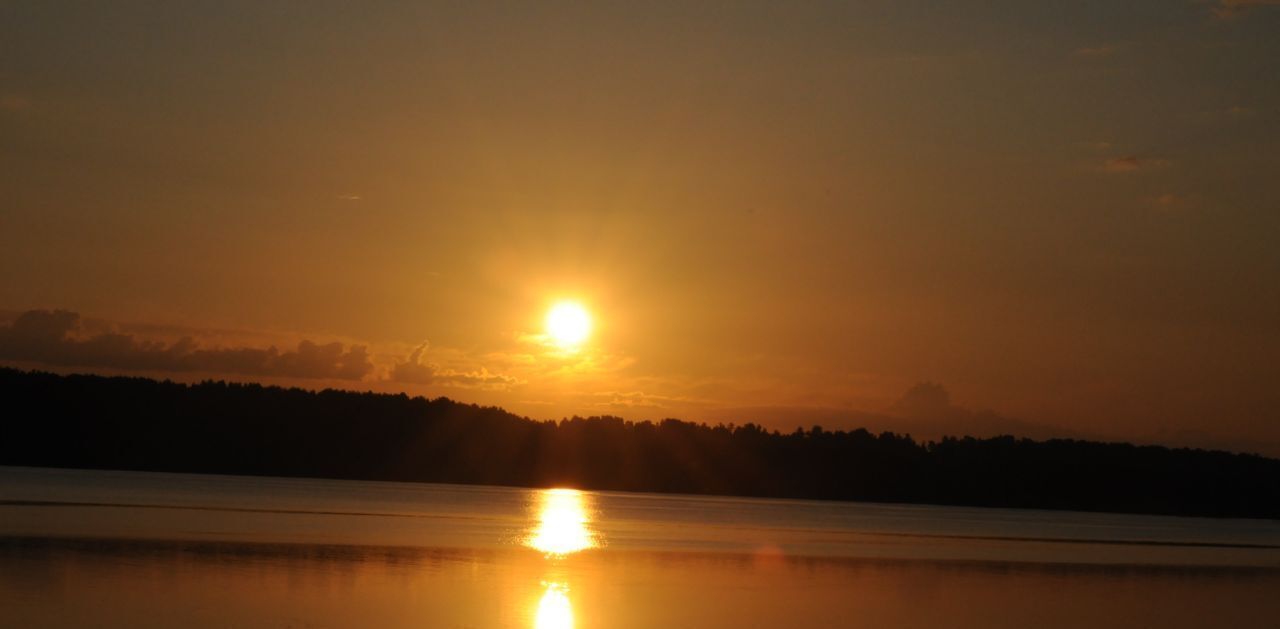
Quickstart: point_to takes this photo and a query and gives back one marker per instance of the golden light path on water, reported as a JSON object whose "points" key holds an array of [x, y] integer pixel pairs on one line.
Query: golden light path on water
{"points": [[562, 523], [554, 609], [563, 528]]}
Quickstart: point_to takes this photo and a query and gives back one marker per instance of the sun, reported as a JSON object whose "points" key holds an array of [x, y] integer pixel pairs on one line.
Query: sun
{"points": [[568, 324]]}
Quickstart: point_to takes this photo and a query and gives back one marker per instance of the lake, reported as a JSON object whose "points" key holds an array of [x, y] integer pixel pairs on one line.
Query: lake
{"points": [[134, 549]]}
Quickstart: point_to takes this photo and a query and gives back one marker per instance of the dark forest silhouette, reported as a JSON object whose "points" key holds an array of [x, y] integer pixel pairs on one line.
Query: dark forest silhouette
{"points": [[97, 422]]}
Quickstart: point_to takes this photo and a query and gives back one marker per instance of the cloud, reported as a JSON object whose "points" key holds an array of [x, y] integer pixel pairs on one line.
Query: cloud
{"points": [[1122, 164], [1231, 8], [478, 379], [633, 400], [923, 399], [927, 411], [1167, 201], [14, 102], [413, 370], [416, 370], [1096, 52], [1132, 163], [51, 337]]}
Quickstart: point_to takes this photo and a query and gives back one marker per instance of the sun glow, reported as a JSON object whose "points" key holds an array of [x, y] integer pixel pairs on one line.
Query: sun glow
{"points": [[562, 523], [568, 324]]}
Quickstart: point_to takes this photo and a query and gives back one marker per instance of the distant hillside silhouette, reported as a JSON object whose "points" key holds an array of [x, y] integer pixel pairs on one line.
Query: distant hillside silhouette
{"points": [[216, 427]]}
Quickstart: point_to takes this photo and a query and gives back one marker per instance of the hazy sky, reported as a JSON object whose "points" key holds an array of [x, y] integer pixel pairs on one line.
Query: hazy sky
{"points": [[1067, 212]]}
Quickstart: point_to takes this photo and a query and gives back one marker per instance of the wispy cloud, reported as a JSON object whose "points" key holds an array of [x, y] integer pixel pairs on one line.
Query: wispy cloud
{"points": [[1231, 8], [14, 102], [1173, 202], [633, 400], [1125, 164], [1095, 146], [1133, 163], [1096, 52]]}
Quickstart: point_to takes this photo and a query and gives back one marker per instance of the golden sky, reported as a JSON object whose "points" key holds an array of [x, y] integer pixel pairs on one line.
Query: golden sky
{"points": [[1064, 212]]}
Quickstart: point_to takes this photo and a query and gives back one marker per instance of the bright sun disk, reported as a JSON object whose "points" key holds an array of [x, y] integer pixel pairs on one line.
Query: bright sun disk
{"points": [[568, 324]]}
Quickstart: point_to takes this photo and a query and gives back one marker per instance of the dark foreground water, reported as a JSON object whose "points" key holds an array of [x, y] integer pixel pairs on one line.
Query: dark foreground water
{"points": [[124, 549]]}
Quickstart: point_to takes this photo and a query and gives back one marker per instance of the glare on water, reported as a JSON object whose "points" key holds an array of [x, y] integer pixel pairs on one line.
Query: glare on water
{"points": [[563, 527], [554, 610], [563, 523]]}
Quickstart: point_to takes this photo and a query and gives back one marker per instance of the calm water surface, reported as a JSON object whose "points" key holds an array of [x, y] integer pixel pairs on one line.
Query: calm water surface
{"points": [[127, 549]]}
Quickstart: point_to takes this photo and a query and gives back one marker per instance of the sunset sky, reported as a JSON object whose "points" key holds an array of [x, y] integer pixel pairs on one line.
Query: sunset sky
{"points": [[1067, 213]]}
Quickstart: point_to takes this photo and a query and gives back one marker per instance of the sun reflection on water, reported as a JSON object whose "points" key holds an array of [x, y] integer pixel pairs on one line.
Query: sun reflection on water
{"points": [[563, 523], [563, 526], [554, 609]]}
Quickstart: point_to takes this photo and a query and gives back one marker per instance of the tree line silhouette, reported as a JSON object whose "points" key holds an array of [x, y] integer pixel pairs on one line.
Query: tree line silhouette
{"points": [[95, 422]]}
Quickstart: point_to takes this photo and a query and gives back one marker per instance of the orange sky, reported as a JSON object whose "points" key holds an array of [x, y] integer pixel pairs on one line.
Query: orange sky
{"points": [[1066, 214]]}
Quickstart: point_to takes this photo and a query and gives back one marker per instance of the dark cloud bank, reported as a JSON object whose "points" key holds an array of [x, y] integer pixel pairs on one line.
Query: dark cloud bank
{"points": [[50, 337]]}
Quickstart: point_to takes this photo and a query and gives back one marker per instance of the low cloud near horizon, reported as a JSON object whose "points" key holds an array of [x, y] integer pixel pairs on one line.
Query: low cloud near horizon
{"points": [[53, 337], [416, 369]]}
